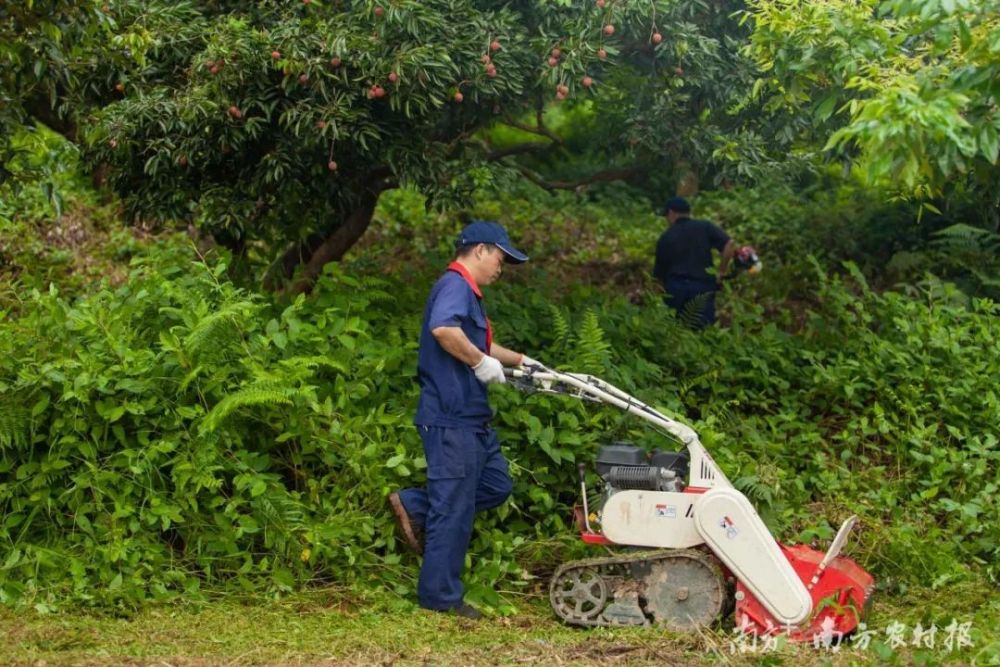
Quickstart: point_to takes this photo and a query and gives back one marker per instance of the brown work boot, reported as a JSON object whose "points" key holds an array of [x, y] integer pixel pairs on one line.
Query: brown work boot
{"points": [[466, 610], [409, 532]]}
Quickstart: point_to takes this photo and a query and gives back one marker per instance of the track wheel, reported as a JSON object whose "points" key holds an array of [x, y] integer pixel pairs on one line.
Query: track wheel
{"points": [[684, 590], [578, 594]]}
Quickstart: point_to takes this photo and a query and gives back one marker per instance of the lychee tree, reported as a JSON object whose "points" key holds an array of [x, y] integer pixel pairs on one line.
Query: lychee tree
{"points": [[282, 121]]}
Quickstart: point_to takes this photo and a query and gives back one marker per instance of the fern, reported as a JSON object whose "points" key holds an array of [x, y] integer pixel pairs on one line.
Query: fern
{"points": [[968, 255], [14, 424], [966, 239], [218, 331], [258, 394], [592, 350], [906, 262], [690, 314], [303, 364], [279, 510], [561, 329], [755, 488]]}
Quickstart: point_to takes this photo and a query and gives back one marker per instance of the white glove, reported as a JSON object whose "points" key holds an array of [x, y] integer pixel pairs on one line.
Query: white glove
{"points": [[489, 370], [528, 362]]}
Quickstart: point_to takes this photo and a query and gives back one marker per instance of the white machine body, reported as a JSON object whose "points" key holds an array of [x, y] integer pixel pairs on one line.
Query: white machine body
{"points": [[735, 533], [662, 519]]}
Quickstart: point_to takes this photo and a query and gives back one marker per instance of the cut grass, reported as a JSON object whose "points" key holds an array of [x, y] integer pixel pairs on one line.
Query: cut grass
{"points": [[337, 627]]}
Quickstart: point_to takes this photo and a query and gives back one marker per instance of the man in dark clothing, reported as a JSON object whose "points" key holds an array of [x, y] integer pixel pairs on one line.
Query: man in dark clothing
{"points": [[466, 472], [683, 257]]}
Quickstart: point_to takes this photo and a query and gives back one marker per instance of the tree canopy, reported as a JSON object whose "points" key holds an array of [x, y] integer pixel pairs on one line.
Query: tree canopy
{"points": [[280, 122], [283, 121], [907, 89]]}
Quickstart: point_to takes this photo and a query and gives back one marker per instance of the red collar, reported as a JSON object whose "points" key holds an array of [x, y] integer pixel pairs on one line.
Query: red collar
{"points": [[460, 269]]}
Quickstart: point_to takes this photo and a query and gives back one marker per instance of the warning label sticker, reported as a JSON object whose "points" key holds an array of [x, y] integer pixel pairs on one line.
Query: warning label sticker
{"points": [[666, 511]]}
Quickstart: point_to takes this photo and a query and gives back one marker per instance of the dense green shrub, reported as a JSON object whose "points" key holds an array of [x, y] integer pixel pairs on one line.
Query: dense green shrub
{"points": [[176, 432], [176, 429]]}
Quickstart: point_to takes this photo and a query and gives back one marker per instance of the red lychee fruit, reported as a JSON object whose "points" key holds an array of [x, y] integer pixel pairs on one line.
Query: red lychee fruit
{"points": [[331, 165], [235, 112], [275, 55], [120, 87], [600, 4], [609, 30], [303, 78], [485, 59], [556, 53], [379, 12], [335, 61], [459, 97], [602, 54], [657, 38], [321, 124], [587, 82], [553, 61], [393, 77], [494, 45]]}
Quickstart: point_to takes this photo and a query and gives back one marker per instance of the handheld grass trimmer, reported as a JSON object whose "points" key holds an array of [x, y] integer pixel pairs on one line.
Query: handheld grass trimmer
{"points": [[704, 548], [745, 260]]}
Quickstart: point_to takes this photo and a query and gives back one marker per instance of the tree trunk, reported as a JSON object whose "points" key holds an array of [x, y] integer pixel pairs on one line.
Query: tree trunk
{"points": [[336, 245], [296, 254], [40, 108]]}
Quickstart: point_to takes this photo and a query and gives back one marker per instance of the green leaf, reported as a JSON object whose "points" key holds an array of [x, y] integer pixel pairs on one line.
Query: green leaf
{"points": [[989, 143], [825, 108], [40, 405]]}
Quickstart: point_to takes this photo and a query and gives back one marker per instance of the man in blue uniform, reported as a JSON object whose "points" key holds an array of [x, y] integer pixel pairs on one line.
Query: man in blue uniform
{"points": [[683, 257], [466, 473]]}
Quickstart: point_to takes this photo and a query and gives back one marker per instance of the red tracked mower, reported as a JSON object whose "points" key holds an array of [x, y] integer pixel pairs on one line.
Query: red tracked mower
{"points": [[704, 549]]}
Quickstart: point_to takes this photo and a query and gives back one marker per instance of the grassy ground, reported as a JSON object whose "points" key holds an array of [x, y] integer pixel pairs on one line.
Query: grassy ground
{"points": [[334, 627]]}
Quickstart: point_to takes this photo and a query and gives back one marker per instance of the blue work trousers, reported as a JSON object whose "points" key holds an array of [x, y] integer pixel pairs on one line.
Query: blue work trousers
{"points": [[466, 473], [693, 299]]}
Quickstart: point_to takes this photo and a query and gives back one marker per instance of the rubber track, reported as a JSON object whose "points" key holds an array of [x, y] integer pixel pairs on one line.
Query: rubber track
{"points": [[600, 563]]}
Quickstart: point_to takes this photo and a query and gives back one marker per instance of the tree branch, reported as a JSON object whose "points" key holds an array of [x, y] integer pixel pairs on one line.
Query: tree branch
{"points": [[604, 176], [538, 129], [516, 149]]}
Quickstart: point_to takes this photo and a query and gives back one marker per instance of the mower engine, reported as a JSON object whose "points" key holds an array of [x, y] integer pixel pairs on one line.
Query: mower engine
{"points": [[623, 466]]}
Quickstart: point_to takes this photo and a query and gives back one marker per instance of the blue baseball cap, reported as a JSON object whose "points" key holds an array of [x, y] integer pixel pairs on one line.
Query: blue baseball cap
{"points": [[484, 231], [678, 204]]}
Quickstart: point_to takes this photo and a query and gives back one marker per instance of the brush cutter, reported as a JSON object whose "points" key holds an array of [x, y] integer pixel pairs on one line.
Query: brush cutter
{"points": [[687, 546]]}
